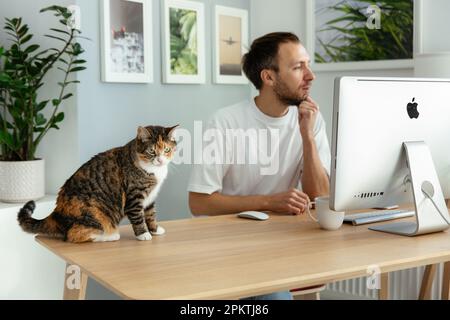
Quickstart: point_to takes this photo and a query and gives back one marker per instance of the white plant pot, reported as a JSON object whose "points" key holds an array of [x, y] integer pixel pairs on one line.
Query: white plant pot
{"points": [[21, 181]]}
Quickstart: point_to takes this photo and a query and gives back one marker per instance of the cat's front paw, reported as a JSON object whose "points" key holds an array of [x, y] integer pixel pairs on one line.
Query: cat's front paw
{"points": [[144, 237], [159, 231]]}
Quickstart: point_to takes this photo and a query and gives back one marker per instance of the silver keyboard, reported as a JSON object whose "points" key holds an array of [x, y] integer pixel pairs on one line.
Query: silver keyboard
{"points": [[377, 216]]}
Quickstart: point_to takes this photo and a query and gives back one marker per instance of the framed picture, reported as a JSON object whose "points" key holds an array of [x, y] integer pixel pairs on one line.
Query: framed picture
{"points": [[127, 41], [231, 43], [183, 41], [358, 35]]}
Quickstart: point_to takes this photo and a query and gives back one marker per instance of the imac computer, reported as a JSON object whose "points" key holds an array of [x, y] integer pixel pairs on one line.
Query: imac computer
{"points": [[391, 146]]}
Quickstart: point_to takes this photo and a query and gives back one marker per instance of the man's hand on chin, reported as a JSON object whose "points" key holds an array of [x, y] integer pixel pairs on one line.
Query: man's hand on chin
{"points": [[307, 113]]}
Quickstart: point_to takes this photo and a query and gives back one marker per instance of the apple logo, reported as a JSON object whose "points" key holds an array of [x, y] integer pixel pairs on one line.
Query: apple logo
{"points": [[412, 109]]}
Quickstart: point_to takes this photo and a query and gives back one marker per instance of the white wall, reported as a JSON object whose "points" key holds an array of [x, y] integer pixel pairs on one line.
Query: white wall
{"points": [[27, 269], [59, 148], [436, 25]]}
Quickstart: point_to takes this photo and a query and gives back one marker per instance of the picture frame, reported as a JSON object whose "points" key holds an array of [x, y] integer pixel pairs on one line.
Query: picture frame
{"points": [[310, 44], [183, 42], [126, 31], [230, 44]]}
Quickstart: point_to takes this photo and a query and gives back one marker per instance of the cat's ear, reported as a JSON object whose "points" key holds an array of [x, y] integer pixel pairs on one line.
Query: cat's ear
{"points": [[143, 134], [171, 132]]}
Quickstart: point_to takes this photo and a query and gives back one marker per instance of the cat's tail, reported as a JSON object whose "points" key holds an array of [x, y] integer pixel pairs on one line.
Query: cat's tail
{"points": [[46, 226]]}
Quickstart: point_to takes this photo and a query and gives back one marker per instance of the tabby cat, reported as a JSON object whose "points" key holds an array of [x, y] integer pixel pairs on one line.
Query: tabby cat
{"points": [[120, 182]]}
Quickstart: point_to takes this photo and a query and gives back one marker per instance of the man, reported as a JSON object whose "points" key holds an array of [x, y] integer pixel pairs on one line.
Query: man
{"points": [[278, 65]]}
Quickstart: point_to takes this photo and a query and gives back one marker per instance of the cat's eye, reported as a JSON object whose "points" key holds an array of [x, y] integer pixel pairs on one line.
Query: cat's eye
{"points": [[167, 150]]}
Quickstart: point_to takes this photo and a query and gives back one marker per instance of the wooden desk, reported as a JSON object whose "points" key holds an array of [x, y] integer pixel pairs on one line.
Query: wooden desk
{"points": [[227, 257]]}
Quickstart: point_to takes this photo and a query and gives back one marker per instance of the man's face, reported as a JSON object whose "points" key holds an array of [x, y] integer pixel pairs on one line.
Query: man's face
{"points": [[294, 77]]}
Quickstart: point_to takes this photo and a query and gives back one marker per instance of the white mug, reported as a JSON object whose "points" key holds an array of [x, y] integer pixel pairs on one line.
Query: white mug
{"points": [[328, 219]]}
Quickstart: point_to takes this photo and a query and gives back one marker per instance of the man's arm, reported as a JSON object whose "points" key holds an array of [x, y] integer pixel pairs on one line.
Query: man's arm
{"points": [[290, 202], [314, 177]]}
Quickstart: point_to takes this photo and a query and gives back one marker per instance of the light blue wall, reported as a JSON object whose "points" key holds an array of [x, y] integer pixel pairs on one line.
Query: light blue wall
{"points": [[109, 113], [106, 115]]}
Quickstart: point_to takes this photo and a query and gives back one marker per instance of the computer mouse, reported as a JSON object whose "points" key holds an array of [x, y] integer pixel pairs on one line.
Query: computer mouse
{"points": [[255, 215]]}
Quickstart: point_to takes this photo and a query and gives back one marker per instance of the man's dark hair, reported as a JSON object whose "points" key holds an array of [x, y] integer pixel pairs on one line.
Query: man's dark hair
{"points": [[263, 54]]}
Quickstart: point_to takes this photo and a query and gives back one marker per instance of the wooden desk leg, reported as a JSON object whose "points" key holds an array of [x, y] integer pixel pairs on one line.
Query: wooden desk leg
{"points": [[383, 293], [427, 282], [75, 283], [446, 282]]}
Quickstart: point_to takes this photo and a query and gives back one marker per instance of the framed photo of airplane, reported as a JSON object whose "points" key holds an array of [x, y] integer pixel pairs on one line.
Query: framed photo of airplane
{"points": [[231, 43]]}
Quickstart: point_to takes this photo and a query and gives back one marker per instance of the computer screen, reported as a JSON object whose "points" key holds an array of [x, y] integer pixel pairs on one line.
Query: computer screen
{"points": [[372, 118]]}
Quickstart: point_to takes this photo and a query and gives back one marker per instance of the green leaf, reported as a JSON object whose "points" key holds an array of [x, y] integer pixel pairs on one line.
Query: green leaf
{"points": [[59, 117], [79, 61], [40, 119], [7, 138], [26, 38], [56, 102], [31, 48], [77, 49], [81, 37], [4, 77], [60, 31], [51, 8], [54, 126], [67, 96], [77, 69], [41, 105], [54, 37], [74, 81]]}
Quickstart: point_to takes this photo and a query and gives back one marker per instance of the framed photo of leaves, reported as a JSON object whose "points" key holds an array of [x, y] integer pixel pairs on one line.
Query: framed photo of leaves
{"points": [[363, 34], [126, 27], [183, 41]]}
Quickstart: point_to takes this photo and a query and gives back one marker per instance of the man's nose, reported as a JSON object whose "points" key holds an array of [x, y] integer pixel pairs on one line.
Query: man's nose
{"points": [[310, 76]]}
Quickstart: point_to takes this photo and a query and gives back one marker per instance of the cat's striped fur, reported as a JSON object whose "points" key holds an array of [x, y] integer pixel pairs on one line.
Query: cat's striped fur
{"points": [[119, 182]]}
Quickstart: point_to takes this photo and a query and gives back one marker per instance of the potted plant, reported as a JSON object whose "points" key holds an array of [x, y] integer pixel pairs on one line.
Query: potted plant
{"points": [[23, 125]]}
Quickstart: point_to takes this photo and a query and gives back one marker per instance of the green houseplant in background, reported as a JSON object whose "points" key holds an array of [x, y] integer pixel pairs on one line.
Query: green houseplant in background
{"points": [[183, 41], [355, 42], [23, 125]]}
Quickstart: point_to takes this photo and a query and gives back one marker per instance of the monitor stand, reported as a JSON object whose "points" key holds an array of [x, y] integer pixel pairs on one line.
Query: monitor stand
{"points": [[423, 180]]}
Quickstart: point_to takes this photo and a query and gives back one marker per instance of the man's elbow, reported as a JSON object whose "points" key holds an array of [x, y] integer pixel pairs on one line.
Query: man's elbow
{"points": [[196, 203]]}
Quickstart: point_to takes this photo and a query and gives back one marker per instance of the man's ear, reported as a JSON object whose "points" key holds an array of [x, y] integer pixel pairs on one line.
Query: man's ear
{"points": [[268, 77], [143, 134], [171, 132]]}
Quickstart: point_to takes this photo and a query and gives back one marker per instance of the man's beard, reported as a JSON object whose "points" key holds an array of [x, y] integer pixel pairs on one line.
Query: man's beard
{"points": [[286, 96]]}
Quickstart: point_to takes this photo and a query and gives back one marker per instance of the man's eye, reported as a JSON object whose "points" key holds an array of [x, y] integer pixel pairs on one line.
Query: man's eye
{"points": [[167, 150]]}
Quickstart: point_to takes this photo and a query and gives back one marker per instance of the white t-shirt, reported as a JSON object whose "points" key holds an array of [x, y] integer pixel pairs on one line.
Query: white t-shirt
{"points": [[276, 169]]}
